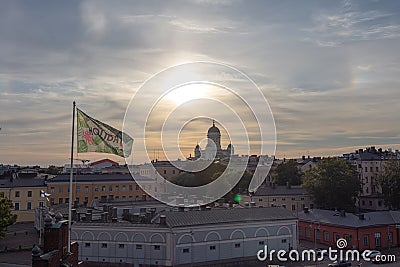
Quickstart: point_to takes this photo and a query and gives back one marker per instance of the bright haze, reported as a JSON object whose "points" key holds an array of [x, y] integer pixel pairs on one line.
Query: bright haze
{"points": [[329, 69]]}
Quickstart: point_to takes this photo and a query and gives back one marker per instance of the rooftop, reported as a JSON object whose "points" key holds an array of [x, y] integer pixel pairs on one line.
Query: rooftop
{"points": [[350, 220], [280, 190], [98, 178], [218, 216], [21, 182]]}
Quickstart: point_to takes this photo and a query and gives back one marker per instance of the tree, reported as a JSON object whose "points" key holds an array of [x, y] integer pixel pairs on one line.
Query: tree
{"points": [[53, 170], [333, 183], [6, 218], [288, 172], [389, 180]]}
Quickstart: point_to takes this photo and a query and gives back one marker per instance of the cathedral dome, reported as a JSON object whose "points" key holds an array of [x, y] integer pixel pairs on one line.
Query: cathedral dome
{"points": [[213, 129]]}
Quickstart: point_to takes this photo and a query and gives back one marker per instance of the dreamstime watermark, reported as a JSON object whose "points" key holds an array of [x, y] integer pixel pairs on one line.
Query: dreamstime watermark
{"points": [[338, 254], [178, 99]]}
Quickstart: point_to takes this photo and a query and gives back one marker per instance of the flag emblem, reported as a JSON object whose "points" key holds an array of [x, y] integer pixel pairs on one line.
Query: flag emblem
{"points": [[96, 136]]}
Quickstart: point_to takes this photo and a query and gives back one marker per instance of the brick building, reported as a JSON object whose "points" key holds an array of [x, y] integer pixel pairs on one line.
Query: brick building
{"points": [[373, 230]]}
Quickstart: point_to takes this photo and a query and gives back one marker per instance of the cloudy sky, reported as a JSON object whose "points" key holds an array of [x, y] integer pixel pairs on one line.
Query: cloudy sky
{"points": [[329, 69]]}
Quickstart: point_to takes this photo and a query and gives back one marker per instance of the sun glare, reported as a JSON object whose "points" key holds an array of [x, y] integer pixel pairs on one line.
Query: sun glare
{"points": [[187, 93]]}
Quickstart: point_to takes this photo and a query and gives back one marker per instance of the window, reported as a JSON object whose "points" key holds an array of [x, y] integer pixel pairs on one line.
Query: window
{"points": [[29, 193], [16, 206], [103, 188], [165, 171], [123, 188], [66, 200], [130, 187], [41, 204], [1, 194], [283, 241], [370, 202], [78, 189], [380, 203], [274, 199], [137, 187], [28, 205], [117, 188], [284, 205], [311, 206], [300, 231], [212, 247], [121, 245], [366, 169], [16, 193], [237, 245], [173, 171], [157, 247], [104, 245], [366, 179], [302, 198], [337, 236], [110, 188], [308, 232], [185, 250], [283, 199], [139, 246], [317, 234], [77, 199], [87, 245], [51, 190], [366, 241], [60, 189], [293, 198], [378, 239], [261, 243], [260, 200], [60, 201], [347, 237], [96, 188], [377, 169], [86, 189], [326, 236], [52, 201]]}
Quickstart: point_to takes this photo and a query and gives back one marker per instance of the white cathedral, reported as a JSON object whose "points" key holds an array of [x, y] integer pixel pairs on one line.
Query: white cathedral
{"points": [[213, 150]]}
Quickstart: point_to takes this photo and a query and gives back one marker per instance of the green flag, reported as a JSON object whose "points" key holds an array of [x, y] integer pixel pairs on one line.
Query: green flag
{"points": [[96, 136]]}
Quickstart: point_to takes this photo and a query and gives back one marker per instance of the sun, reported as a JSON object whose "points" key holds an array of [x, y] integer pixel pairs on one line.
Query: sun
{"points": [[188, 92]]}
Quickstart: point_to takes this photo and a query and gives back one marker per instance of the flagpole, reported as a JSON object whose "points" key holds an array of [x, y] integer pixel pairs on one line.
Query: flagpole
{"points": [[70, 179]]}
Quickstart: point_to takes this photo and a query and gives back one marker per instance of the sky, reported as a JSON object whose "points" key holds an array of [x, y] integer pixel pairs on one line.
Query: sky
{"points": [[329, 69]]}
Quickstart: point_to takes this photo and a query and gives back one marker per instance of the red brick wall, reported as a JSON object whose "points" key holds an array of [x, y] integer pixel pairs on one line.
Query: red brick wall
{"points": [[356, 236]]}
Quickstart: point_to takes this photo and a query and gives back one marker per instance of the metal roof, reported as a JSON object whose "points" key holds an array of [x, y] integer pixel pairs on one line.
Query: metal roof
{"points": [[220, 216], [97, 178]]}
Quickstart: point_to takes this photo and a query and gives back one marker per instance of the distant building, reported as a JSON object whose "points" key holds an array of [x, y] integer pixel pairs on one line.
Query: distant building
{"points": [[293, 198], [25, 195], [104, 187], [370, 163], [182, 238], [213, 149], [373, 230]]}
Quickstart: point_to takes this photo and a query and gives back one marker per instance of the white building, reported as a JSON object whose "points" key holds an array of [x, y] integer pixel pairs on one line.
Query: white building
{"points": [[182, 238]]}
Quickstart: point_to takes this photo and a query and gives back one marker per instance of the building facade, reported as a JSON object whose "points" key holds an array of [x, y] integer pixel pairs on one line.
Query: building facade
{"points": [[293, 198], [182, 238], [25, 195], [104, 187], [373, 230]]}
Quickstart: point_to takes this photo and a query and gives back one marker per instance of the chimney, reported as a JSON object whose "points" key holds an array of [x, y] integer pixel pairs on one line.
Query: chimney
{"points": [[163, 219], [114, 212], [88, 216], [303, 157]]}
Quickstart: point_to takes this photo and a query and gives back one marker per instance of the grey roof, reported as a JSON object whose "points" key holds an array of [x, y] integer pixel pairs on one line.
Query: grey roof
{"points": [[97, 178], [280, 191], [220, 216], [350, 220], [21, 182]]}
